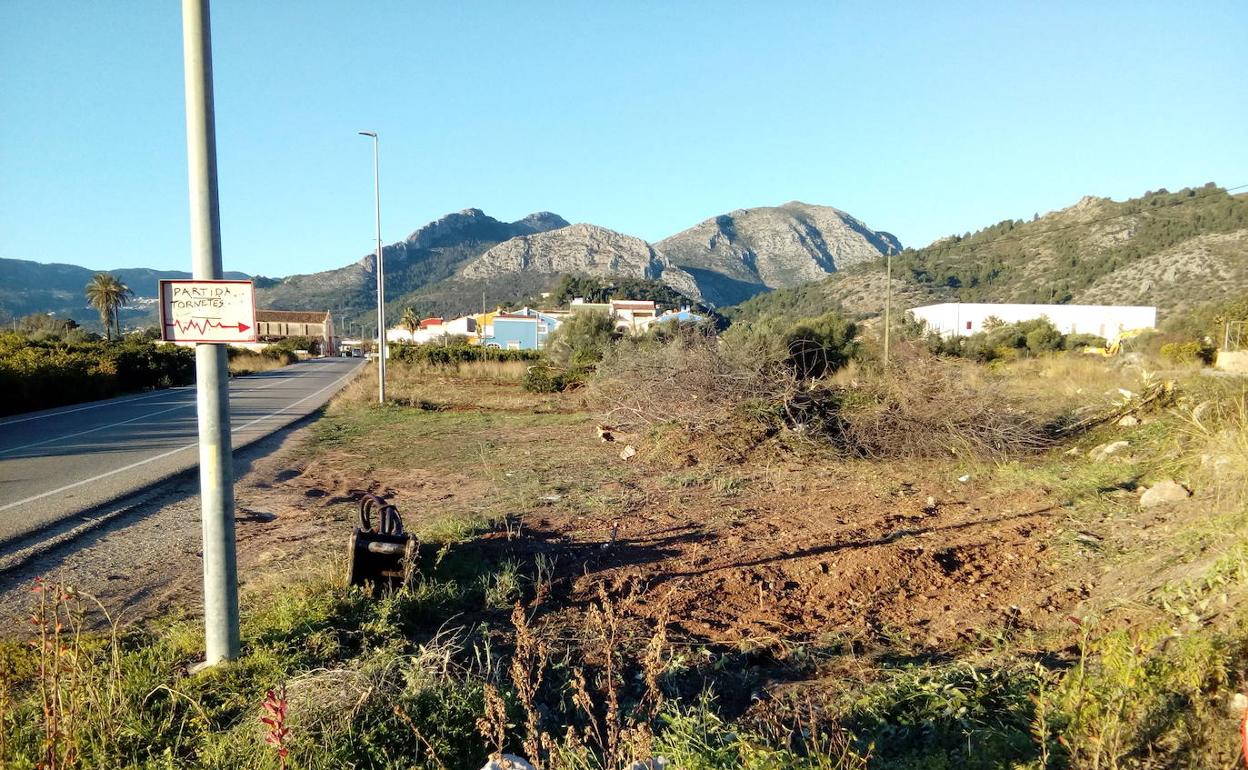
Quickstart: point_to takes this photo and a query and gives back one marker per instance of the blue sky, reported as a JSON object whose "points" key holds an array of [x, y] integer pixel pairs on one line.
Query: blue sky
{"points": [[920, 118]]}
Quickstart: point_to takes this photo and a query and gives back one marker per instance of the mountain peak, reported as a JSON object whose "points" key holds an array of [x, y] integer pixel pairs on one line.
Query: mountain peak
{"points": [[748, 251], [540, 221]]}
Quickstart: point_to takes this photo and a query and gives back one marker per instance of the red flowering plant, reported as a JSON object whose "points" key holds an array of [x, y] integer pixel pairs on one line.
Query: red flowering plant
{"points": [[275, 706]]}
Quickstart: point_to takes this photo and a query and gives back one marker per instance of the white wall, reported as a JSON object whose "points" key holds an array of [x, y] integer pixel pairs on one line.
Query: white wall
{"points": [[952, 319]]}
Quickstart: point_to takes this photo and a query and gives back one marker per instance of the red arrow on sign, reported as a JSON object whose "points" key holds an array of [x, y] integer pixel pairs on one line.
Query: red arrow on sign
{"points": [[204, 325]]}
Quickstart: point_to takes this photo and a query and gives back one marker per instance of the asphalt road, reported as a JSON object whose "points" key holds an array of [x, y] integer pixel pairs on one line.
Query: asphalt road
{"points": [[61, 462]]}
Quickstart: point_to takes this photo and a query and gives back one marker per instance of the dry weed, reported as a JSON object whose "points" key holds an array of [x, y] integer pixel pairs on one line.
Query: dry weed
{"points": [[1216, 430], [253, 363], [528, 669]]}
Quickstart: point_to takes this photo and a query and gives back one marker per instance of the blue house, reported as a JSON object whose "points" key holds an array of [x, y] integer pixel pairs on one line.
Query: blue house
{"points": [[525, 329]]}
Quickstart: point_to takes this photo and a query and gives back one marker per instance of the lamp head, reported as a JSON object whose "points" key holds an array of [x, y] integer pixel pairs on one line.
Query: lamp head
{"points": [[373, 134]]}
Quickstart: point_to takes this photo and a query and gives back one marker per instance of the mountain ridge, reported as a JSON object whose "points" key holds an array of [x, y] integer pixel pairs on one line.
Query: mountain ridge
{"points": [[27, 286], [466, 259], [1175, 251]]}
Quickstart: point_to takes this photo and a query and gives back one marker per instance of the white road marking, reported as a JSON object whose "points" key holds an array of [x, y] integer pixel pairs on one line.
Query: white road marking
{"points": [[240, 391], [108, 402], [93, 430], [95, 405], [171, 452]]}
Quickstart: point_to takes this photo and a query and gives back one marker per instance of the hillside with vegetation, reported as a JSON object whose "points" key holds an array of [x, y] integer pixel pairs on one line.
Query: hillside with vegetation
{"points": [[34, 287], [428, 256], [1173, 250]]}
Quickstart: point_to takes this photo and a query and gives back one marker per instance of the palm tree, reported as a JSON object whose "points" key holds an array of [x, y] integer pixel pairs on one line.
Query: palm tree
{"points": [[107, 295], [124, 295], [410, 321]]}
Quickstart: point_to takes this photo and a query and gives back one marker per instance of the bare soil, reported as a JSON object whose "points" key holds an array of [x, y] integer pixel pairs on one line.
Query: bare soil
{"points": [[798, 549]]}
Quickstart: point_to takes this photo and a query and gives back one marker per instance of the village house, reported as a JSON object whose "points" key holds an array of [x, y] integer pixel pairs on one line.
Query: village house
{"points": [[529, 328], [279, 325], [524, 329], [434, 329], [633, 316]]}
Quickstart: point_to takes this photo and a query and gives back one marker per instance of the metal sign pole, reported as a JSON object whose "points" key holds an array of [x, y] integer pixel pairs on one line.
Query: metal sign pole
{"points": [[216, 471], [381, 271]]}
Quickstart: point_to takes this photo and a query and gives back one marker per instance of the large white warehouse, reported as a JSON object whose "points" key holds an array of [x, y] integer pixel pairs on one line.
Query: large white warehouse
{"points": [[956, 319]]}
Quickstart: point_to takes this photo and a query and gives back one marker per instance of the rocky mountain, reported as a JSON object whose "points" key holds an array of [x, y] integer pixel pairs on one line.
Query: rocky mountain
{"points": [[468, 259], [748, 251], [431, 254], [35, 287], [581, 249], [1176, 251]]}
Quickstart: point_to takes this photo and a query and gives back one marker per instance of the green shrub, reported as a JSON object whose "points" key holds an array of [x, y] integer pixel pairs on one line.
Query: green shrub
{"points": [[956, 716], [1000, 340], [545, 379], [448, 355], [582, 340], [540, 379], [1188, 352], [1044, 338], [819, 346], [41, 374], [1079, 341]]}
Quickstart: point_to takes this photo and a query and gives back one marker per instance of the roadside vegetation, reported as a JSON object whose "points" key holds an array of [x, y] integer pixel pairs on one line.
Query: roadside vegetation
{"points": [[58, 364], [45, 369], [759, 550]]}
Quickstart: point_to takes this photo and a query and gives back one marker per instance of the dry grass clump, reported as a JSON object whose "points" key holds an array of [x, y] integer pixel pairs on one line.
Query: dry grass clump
{"points": [[1215, 430], [1071, 381], [498, 371], [252, 363], [470, 385], [925, 406]]}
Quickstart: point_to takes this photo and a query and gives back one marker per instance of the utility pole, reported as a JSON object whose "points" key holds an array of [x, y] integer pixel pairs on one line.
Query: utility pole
{"points": [[888, 304], [381, 273], [216, 470]]}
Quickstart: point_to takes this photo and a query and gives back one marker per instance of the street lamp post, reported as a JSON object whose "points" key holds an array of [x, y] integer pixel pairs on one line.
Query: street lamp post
{"points": [[381, 273], [888, 304]]}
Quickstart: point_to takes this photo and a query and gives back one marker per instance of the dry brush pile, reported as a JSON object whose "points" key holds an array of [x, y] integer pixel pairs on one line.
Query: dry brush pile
{"points": [[737, 394]]}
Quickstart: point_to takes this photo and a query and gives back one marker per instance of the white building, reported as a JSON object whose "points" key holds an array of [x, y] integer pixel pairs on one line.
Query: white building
{"points": [[957, 319], [434, 330]]}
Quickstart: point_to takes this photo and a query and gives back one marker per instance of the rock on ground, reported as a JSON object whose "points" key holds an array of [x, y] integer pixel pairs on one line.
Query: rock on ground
{"points": [[1167, 491], [1108, 450]]}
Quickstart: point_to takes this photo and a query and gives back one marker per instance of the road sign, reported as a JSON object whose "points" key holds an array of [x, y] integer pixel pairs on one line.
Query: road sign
{"points": [[207, 311]]}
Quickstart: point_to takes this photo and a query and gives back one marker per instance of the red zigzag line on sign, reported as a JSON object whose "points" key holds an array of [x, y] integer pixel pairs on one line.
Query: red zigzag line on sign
{"points": [[201, 326]]}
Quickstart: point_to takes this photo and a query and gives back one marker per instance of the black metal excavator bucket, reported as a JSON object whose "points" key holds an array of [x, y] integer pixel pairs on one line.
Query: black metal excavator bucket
{"points": [[383, 557]]}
